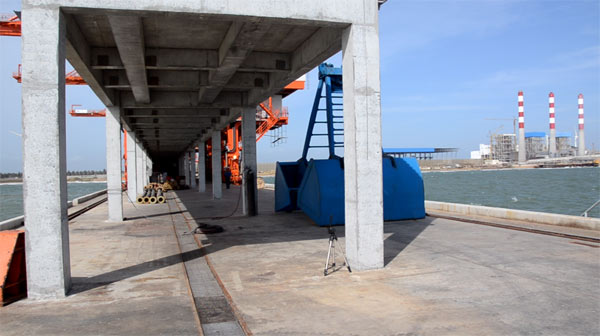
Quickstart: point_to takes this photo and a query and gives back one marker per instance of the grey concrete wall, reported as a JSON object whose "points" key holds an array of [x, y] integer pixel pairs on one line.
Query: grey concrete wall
{"points": [[249, 155], [216, 165], [44, 153], [502, 213], [362, 141], [201, 167], [113, 164], [131, 167]]}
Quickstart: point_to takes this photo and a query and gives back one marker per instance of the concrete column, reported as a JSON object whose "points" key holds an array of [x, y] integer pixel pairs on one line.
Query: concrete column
{"points": [[217, 182], [145, 167], [113, 164], [201, 167], [139, 168], [363, 180], [193, 168], [552, 143], [248, 155], [131, 167], [150, 168], [44, 153], [186, 168]]}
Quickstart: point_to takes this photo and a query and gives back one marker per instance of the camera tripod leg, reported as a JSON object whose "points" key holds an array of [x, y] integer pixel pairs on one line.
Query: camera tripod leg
{"points": [[328, 254]]}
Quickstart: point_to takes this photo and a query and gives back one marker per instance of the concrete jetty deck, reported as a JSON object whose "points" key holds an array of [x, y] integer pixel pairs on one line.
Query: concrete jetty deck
{"points": [[264, 276]]}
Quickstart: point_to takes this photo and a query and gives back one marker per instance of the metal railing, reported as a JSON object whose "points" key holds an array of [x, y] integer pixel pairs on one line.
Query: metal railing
{"points": [[585, 213]]}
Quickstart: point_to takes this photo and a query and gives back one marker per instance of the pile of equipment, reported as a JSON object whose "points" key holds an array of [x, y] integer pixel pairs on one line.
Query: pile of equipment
{"points": [[154, 193]]}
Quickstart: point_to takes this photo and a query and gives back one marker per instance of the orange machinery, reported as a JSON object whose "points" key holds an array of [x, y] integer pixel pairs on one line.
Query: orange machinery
{"points": [[267, 118]]}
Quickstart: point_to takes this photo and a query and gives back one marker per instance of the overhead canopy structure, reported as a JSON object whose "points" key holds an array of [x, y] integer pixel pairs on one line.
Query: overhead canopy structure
{"points": [[173, 74], [178, 75]]}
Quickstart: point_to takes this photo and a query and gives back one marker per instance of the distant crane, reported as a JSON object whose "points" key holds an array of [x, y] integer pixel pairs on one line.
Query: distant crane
{"points": [[514, 120]]}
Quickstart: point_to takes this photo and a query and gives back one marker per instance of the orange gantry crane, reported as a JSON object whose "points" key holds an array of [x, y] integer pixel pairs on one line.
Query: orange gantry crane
{"points": [[10, 24]]}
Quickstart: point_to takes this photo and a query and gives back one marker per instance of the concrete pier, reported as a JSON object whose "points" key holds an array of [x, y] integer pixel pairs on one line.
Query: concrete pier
{"points": [[113, 164], [441, 277], [44, 153], [192, 154], [176, 73], [201, 167], [217, 186], [139, 168], [249, 158], [363, 180], [132, 188]]}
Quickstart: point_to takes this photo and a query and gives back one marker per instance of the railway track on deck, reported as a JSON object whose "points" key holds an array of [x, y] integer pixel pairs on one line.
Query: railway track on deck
{"points": [[86, 208]]}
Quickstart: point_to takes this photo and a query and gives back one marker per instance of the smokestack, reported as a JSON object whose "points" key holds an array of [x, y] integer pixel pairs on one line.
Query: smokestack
{"points": [[581, 144], [522, 153], [552, 142]]}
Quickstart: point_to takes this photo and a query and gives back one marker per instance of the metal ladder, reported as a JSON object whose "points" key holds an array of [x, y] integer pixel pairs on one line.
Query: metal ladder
{"points": [[330, 78]]}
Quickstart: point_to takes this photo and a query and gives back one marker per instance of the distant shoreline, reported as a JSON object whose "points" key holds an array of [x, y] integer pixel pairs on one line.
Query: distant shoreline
{"points": [[78, 178]]}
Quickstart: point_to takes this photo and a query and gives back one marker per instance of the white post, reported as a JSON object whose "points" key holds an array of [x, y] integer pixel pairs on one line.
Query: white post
{"points": [[44, 153], [217, 182], [363, 180], [248, 155], [139, 168], [113, 164], [131, 167]]}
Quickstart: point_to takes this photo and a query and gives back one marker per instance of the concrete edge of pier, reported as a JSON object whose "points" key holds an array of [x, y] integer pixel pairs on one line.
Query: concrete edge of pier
{"points": [[466, 210], [15, 222]]}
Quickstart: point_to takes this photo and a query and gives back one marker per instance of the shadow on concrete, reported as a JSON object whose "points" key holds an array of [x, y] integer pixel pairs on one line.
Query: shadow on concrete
{"points": [[82, 284], [270, 227], [153, 215]]}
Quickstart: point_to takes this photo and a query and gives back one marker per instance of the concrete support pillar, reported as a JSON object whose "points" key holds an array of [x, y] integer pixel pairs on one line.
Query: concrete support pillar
{"points": [[186, 168], [193, 168], [217, 181], [145, 167], [363, 181], [139, 168], [131, 166], [44, 153], [150, 168], [113, 164], [248, 157], [201, 167]]}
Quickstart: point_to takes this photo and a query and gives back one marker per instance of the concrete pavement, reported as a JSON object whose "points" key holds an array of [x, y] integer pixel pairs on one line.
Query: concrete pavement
{"points": [[440, 277]]}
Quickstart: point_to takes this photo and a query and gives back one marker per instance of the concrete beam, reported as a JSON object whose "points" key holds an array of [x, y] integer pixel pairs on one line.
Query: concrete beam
{"points": [[129, 37], [217, 182], [113, 164], [78, 52], [239, 41], [249, 163], [323, 44], [44, 153], [183, 99], [363, 181], [131, 166], [174, 113]]}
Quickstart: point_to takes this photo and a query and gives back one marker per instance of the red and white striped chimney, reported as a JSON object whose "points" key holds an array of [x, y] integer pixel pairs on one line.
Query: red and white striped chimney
{"points": [[522, 154], [581, 142], [552, 136]]}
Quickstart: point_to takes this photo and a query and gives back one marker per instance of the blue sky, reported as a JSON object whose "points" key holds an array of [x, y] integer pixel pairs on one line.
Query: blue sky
{"points": [[446, 67]]}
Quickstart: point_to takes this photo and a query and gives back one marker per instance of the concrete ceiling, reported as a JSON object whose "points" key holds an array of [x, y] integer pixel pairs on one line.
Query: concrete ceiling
{"points": [[176, 76]]}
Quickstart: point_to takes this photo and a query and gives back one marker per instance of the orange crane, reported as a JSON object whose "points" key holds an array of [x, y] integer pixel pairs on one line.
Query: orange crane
{"points": [[10, 24]]}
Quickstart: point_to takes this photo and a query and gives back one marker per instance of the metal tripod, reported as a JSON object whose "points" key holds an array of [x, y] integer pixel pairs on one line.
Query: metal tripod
{"points": [[331, 253]]}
